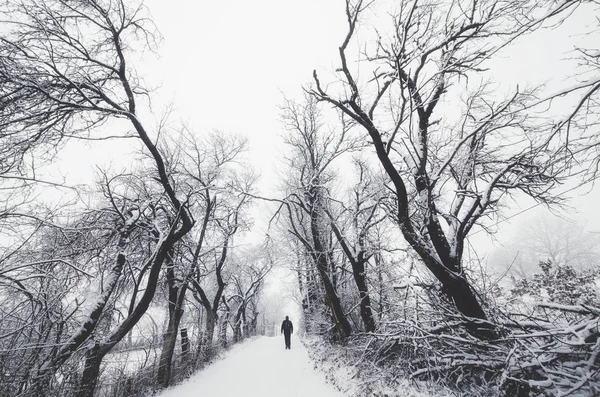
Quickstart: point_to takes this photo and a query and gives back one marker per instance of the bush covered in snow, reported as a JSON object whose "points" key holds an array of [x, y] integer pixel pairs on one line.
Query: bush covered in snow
{"points": [[352, 370], [551, 350], [561, 284]]}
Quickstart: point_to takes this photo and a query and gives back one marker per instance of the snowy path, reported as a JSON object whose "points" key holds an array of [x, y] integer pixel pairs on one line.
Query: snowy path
{"points": [[259, 368]]}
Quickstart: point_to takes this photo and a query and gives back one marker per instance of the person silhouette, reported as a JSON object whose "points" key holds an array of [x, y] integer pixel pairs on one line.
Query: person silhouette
{"points": [[287, 329]]}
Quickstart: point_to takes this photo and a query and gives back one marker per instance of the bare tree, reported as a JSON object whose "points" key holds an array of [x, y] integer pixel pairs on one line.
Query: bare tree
{"points": [[229, 221], [209, 166], [165, 226], [41, 282], [574, 134], [68, 70], [247, 283], [448, 174], [364, 212], [313, 152]]}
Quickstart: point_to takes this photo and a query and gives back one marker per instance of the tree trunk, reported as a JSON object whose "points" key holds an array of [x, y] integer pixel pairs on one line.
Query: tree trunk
{"points": [[323, 266], [381, 305], [455, 286], [91, 372], [358, 270], [245, 328], [237, 327], [253, 323], [223, 330], [176, 299], [204, 350], [185, 346], [168, 348], [341, 322], [458, 289], [211, 322]]}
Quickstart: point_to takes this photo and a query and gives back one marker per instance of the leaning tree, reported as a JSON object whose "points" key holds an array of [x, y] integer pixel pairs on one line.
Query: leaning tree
{"points": [[66, 73], [452, 145]]}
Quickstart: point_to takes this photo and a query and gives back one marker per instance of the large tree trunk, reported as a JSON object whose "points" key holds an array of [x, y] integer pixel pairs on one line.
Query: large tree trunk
{"points": [[444, 267], [341, 321], [185, 347], [321, 257], [91, 372], [358, 270], [237, 327], [253, 323], [211, 322], [176, 299], [204, 350], [170, 339], [223, 330], [458, 289]]}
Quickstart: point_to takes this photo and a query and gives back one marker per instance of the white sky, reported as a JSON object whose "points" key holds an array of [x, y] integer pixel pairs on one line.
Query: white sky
{"points": [[226, 64]]}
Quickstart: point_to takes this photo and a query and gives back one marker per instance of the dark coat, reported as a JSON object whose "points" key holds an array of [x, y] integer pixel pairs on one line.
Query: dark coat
{"points": [[287, 327]]}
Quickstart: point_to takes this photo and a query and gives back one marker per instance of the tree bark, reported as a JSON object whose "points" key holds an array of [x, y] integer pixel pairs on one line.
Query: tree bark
{"points": [[206, 341], [185, 346], [323, 265], [237, 327], [365, 300], [211, 322], [176, 299], [358, 272], [170, 339], [223, 330], [454, 284], [91, 372]]}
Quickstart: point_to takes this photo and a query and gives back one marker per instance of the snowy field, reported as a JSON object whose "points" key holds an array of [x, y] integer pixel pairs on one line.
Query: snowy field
{"points": [[261, 368]]}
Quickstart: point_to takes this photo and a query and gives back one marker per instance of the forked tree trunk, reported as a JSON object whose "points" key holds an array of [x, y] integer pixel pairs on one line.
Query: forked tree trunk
{"points": [[458, 289], [358, 271], [444, 267], [321, 258]]}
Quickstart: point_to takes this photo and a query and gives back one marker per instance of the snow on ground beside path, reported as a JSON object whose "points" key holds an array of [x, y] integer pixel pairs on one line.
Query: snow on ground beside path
{"points": [[258, 368]]}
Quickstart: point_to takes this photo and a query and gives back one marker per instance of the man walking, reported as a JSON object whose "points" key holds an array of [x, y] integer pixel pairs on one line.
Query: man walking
{"points": [[287, 329]]}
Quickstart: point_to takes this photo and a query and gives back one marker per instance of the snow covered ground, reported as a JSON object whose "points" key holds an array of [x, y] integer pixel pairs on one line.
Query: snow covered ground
{"points": [[258, 368]]}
